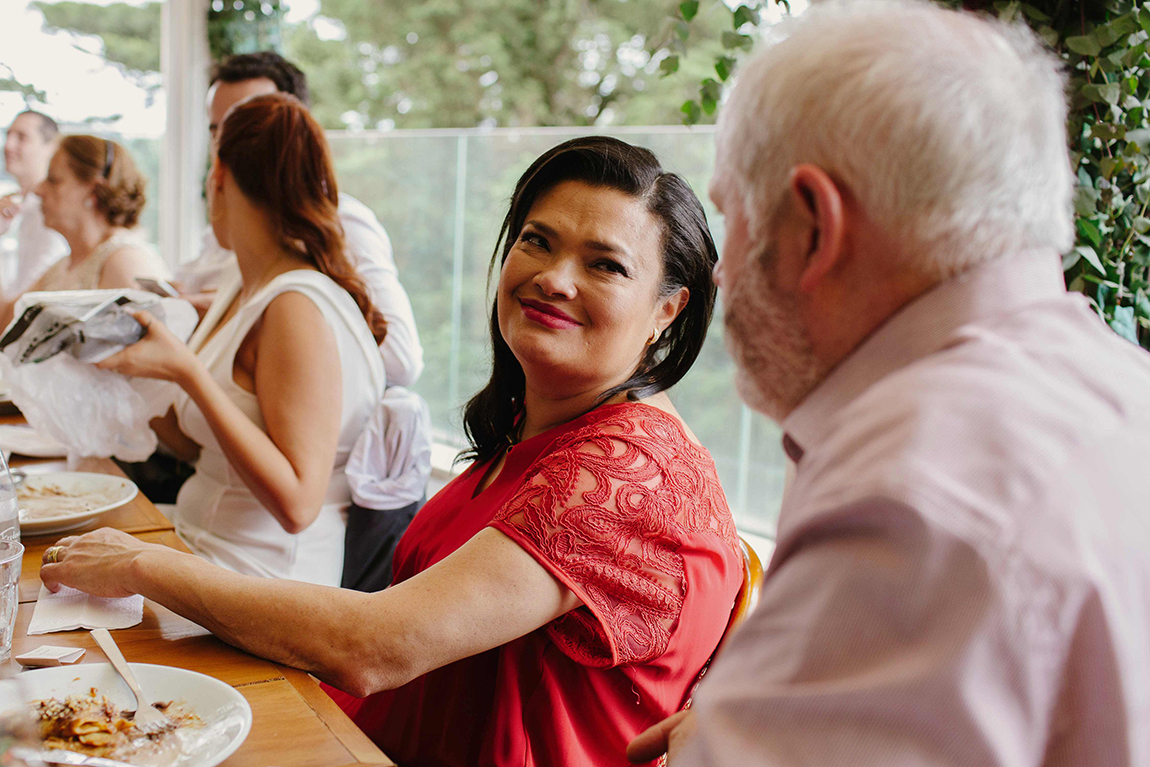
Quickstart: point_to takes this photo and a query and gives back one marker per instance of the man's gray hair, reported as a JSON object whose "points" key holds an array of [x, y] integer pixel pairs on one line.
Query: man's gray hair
{"points": [[948, 129]]}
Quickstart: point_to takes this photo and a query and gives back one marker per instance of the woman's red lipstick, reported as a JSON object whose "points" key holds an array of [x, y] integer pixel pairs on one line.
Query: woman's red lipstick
{"points": [[547, 315]]}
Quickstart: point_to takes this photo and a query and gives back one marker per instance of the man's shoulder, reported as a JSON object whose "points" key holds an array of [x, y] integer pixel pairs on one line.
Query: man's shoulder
{"points": [[1003, 419], [351, 209], [367, 241]]}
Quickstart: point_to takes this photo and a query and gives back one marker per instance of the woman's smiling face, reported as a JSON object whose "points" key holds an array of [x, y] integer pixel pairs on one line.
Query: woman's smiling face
{"points": [[579, 291]]}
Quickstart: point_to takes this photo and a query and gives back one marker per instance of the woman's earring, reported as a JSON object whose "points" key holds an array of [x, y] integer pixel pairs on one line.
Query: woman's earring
{"points": [[653, 337]]}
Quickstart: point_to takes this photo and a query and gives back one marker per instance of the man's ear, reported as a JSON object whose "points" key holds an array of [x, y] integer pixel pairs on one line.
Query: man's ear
{"points": [[818, 197]]}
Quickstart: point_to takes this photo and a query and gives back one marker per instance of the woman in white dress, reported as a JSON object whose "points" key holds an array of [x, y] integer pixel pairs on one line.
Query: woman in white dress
{"points": [[288, 367], [93, 196]]}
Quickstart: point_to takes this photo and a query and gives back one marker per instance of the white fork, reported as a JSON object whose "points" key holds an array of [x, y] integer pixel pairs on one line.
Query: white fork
{"points": [[148, 719]]}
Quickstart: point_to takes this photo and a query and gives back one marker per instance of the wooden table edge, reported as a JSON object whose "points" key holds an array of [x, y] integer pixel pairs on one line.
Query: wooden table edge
{"points": [[340, 724]]}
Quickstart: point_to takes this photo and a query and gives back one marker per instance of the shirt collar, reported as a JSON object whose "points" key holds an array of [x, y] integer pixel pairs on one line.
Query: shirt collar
{"points": [[923, 326]]}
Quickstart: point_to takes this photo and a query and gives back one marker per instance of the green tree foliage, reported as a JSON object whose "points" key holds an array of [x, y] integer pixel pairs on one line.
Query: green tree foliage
{"points": [[737, 25], [452, 63], [1105, 46], [130, 33], [462, 63], [8, 82], [244, 26]]}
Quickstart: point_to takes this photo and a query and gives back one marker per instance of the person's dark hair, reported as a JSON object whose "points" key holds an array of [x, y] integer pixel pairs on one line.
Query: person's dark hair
{"points": [[279, 158], [120, 187], [49, 130], [250, 66], [689, 257]]}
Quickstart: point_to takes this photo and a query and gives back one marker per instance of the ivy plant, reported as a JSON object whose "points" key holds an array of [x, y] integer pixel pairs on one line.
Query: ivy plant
{"points": [[1105, 46], [737, 41]]}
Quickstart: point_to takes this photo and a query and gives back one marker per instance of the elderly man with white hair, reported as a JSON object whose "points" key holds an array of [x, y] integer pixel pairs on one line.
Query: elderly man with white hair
{"points": [[962, 574]]}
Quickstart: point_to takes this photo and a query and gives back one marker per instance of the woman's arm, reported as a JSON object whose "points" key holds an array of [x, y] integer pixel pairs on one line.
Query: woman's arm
{"points": [[299, 384], [126, 264], [487, 593], [8, 308], [299, 387], [167, 428]]}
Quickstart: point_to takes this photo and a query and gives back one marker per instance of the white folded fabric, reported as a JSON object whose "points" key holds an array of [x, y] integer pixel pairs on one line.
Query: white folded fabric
{"points": [[69, 609], [391, 461]]}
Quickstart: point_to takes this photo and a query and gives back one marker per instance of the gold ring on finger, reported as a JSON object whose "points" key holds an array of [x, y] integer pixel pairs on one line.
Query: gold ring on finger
{"points": [[52, 555]]}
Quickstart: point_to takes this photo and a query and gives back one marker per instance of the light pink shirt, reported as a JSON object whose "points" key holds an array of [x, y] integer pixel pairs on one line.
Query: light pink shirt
{"points": [[963, 566]]}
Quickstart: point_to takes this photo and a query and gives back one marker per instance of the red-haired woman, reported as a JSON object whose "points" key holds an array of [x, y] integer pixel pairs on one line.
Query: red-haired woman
{"points": [[280, 389]]}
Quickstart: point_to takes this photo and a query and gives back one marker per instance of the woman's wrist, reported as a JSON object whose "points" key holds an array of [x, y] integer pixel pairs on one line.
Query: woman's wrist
{"points": [[190, 376], [138, 570]]}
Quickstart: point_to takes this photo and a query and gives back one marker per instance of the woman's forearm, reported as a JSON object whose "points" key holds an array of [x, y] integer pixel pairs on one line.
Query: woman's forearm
{"points": [[167, 428], [251, 452], [343, 637]]}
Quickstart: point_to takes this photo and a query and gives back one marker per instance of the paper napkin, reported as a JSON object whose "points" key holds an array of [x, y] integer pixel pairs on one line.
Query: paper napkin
{"points": [[69, 609]]}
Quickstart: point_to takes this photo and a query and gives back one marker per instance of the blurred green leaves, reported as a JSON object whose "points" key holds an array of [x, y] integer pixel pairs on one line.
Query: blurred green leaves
{"points": [[737, 40], [1104, 44]]}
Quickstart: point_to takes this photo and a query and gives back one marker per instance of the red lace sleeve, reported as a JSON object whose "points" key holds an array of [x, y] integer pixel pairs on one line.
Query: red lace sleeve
{"points": [[605, 511]]}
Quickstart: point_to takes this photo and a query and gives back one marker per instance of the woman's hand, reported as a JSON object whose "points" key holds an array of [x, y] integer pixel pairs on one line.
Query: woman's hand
{"points": [[159, 354], [10, 207], [98, 563]]}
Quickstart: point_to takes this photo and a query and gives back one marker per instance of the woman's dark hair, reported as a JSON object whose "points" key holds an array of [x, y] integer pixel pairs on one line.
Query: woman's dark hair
{"points": [[119, 185], [279, 158], [689, 256]]}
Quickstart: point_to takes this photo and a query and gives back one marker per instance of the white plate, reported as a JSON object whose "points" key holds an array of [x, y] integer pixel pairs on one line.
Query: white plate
{"points": [[24, 440], [227, 716], [114, 492]]}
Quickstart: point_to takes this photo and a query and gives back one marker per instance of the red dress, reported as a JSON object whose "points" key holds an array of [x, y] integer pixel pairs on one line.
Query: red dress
{"points": [[628, 513]]}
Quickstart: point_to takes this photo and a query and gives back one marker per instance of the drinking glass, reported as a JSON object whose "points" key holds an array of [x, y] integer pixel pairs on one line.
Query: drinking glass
{"points": [[9, 512], [11, 557]]}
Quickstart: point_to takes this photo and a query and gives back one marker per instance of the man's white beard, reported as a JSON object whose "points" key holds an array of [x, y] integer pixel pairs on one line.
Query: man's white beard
{"points": [[777, 367]]}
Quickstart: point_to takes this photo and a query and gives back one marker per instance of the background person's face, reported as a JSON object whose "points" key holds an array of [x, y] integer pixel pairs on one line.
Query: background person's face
{"points": [[26, 153], [222, 96], [62, 197]]}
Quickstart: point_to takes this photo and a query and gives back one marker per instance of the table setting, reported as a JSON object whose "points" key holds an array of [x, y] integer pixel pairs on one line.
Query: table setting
{"points": [[252, 712]]}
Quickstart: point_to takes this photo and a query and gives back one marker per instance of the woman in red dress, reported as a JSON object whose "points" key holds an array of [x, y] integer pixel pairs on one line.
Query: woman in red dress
{"points": [[563, 593]]}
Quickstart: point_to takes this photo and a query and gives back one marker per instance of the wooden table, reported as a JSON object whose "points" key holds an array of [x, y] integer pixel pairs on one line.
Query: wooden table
{"points": [[295, 723]]}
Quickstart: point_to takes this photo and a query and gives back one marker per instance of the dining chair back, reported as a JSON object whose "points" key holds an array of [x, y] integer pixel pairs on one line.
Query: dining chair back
{"points": [[748, 595], [745, 601]]}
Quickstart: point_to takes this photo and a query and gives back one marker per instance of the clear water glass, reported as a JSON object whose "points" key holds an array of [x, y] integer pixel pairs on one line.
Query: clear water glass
{"points": [[9, 512], [11, 560]]}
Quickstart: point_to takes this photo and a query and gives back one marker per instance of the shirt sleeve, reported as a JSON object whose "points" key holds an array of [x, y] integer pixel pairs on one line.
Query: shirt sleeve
{"points": [[880, 639], [604, 515], [370, 250]]}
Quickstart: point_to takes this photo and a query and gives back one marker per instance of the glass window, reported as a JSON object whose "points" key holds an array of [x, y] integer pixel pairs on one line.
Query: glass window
{"points": [[442, 195], [94, 68]]}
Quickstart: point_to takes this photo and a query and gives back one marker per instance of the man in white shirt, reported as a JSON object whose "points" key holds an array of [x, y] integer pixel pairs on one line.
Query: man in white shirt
{"points": [[369, 248], [962, 574], [28, 148]]}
